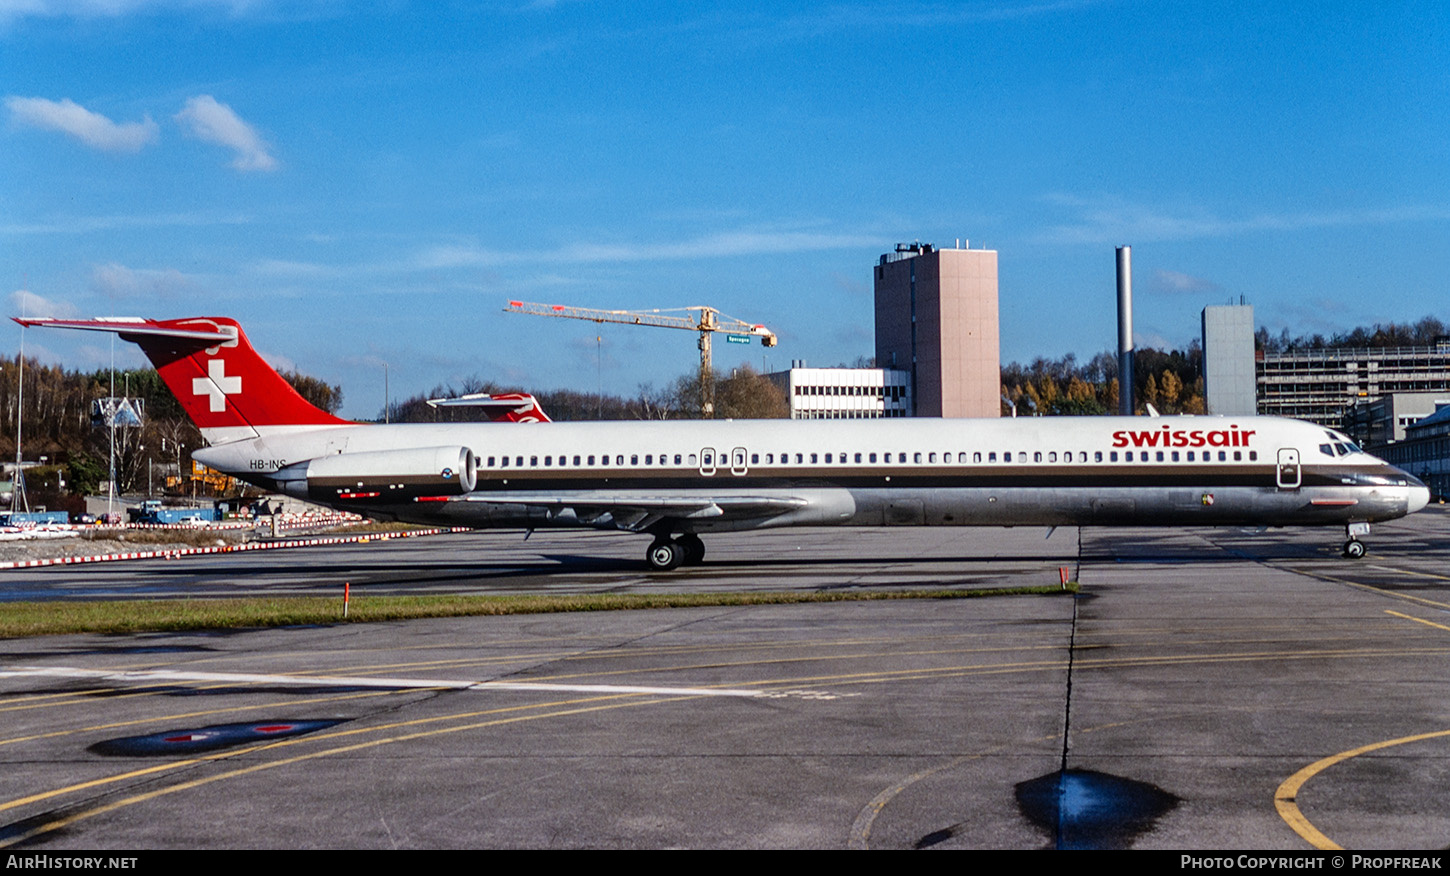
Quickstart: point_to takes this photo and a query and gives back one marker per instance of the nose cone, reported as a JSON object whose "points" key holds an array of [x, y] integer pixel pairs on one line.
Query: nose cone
{"points": [[1419, 497]]}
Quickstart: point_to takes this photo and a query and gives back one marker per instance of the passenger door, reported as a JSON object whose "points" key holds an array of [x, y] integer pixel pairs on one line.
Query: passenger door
{"points": [[1287, 474]]}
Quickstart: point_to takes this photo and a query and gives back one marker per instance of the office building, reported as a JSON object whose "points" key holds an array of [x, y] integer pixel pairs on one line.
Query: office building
{"points": [[844, 393], [1320, 384], [1425, 451], [936, 320], [1228, 359], [1381, 421]]}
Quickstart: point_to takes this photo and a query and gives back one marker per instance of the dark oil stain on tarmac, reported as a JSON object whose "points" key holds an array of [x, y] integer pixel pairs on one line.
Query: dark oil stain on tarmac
{"points": [[1084, 809], [193, 740]]}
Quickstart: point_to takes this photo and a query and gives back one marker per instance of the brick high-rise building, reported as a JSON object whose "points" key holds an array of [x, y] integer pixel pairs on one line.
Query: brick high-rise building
{"points": [[936, 317]]}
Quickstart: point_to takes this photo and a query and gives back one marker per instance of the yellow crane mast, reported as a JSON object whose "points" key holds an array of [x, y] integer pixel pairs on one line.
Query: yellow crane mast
{"points": [[705, 320]]}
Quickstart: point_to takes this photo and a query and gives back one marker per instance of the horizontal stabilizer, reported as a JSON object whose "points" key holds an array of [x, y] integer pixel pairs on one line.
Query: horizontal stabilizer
{"points": [[222, 383], [132, 325]]}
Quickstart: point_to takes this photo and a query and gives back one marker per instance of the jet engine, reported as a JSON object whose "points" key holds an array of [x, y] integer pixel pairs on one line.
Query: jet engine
{"points": [[382, 476]]}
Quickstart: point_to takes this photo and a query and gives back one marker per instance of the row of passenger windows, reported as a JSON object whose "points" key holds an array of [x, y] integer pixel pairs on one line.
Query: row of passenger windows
{"points": [[977, 457]]}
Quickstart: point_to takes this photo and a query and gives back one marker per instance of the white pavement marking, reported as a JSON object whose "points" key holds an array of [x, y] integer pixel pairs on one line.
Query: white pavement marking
{"points": [[161, 675]]}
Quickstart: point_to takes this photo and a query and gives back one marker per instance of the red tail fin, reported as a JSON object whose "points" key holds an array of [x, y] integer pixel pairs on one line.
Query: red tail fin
{"points": [[506, 407], [224, 386], [528, 410]]}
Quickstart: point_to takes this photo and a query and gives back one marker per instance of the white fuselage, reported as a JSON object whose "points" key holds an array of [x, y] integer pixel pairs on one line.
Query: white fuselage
{"points": [[698, 476]]}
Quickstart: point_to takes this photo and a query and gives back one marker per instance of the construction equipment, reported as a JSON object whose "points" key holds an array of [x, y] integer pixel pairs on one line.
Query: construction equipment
{"points": [[218, 482], [705, 320]]}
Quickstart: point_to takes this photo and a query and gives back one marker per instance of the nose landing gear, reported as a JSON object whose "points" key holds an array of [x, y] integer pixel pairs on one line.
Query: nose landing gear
{"points": [[1354, 548]]}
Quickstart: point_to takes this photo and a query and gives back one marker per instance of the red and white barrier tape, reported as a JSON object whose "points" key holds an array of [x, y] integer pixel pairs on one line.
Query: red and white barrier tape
{"points": [[226, 549]]}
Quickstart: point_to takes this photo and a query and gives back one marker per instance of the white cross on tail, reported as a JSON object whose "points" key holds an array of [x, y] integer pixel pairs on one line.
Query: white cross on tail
{"points": [[217, 385]]}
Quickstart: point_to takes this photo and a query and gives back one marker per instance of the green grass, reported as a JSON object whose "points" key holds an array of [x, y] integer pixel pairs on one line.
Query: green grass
{"points": [[170, 615]]}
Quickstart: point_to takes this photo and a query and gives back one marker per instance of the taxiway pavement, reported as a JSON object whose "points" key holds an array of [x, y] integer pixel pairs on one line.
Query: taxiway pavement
{"points": [[1208, 689]]}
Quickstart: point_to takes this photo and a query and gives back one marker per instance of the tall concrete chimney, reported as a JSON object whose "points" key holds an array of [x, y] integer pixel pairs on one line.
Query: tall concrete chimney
{"points": [[1125, 331]]}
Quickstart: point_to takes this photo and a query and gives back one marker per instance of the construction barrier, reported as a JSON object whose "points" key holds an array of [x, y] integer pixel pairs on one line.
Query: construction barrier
{"points": [[231, 548]]}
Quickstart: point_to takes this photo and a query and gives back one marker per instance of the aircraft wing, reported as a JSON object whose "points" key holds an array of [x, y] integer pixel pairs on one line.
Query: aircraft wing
{"points": [[636, 512]]}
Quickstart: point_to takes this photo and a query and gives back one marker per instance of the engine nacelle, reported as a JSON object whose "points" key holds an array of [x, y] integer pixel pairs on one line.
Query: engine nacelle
{"points": [[382, 476]]}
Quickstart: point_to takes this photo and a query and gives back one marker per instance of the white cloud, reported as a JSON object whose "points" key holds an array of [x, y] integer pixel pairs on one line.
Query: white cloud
{"points": [[278, 361], [729, 243], [1174, 281], [723, 244], [295, 269], [215, 122], [550, 280], [17, 9], [1155, 340], [26, 303], [122, 356], [851, 284], [91, 128], [450, 256], [1113, 220], [84, 224], [854, 336], [45, 355], [118, 281], [1321, 315]]}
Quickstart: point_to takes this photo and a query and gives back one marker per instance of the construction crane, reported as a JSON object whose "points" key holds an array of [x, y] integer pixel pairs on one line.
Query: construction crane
{"points": [[705, 320]]}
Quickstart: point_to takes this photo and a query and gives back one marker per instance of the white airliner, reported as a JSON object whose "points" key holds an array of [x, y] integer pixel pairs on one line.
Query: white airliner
{"points": [[676, 480]]}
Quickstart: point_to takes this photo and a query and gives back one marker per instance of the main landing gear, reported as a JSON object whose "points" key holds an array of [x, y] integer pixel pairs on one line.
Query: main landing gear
{"points": [[666, 553]]}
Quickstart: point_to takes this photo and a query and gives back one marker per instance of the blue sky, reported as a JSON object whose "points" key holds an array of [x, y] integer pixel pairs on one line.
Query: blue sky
{"points": [[362, 183]]}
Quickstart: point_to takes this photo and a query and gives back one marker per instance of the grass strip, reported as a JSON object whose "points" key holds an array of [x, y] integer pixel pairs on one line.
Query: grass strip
{"points": [[18, 619]]}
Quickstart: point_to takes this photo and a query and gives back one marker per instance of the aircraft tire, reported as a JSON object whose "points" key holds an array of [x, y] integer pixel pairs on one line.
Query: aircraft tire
{"points": [[694, 548], [664, 555], [1354, 549]]}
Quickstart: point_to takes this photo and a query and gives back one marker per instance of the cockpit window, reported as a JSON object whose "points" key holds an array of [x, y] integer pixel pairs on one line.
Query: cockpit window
{"points": [[1326, 449]]}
